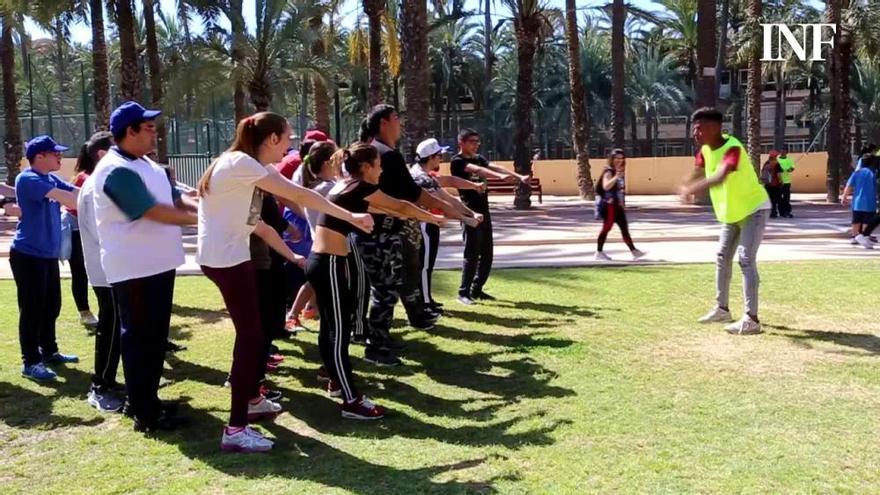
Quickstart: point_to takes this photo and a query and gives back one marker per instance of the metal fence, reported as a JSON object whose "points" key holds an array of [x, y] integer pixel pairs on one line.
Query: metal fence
{"points": [[188, 168]]}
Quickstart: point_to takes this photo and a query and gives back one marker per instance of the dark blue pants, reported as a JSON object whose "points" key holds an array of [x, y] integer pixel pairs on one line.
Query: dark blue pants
{"points": [[144, 306], [39, 303], [478, 256]]}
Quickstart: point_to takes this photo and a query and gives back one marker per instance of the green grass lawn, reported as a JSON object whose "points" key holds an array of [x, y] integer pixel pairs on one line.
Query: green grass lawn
{"points": [[574, 381]]}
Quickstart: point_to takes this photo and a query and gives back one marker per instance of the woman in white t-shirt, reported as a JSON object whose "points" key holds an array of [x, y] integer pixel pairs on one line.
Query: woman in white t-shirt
{"points": [[231, 191]]}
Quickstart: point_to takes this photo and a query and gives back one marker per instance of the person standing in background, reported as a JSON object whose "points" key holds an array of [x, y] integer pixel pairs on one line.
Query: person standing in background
{"points": [[79, 281], [770, 177], [786, 164]]}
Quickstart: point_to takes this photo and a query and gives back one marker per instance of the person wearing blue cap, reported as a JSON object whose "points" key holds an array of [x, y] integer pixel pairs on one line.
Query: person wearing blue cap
{"points": [[138, 216], [34, 253]]}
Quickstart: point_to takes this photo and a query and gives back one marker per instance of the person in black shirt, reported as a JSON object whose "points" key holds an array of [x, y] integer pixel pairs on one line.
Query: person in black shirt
{"points": [[478, 245], [391, 251], [335, 275]]}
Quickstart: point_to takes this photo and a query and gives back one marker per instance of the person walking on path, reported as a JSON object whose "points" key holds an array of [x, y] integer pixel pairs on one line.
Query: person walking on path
{"points": [[771, 178], [612, 187], [231, 192], [786, 164], [862, 185], [468, 164], [138, 215], [741, 205], [33, 257], [105, 394]]}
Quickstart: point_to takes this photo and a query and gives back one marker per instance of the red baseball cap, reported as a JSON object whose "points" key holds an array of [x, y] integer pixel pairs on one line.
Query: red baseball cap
{"points": [[288, 165], [316, 135]]}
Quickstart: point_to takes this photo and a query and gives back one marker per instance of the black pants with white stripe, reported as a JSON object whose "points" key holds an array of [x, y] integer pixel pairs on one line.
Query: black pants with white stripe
{"points": [[428, 255], [329, 276], [360, 287], [106, 339]]}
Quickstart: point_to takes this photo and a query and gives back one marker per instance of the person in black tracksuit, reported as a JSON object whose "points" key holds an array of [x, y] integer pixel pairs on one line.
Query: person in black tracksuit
{"points": [[333, 271], [478, 243], [391, 252]]}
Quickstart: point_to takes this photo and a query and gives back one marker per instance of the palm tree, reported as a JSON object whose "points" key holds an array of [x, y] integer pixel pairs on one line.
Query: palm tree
{"points": [[130, 74], [706, 52], [529, 18], [618, 73], [580, 128], [374, 9], [866, 96], [417, 76], [834, 135], [319, 86], [155, 78], [683, 36], [12, 139], [654, 88], [100, 69], [755, 85]]}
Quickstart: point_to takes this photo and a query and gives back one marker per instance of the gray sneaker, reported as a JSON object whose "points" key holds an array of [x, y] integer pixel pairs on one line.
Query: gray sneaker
{"points": [[745, 326], [717, 315]]}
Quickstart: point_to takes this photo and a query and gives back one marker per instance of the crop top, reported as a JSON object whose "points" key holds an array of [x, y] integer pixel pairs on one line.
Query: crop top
{"points": [[350, 195]]}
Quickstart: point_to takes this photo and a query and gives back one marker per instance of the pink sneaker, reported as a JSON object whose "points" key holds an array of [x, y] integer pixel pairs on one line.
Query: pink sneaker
{"points": [[362, 408], [263, 408]]}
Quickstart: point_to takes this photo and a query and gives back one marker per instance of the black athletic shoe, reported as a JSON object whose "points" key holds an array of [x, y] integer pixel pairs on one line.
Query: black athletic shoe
{"points": [[358, 339], [380, 357], [174, 347], [482, 296], [270, 394], [383, 340], [165, 422], [424, 325], [436, 305], [104, 400], [433, 314]]}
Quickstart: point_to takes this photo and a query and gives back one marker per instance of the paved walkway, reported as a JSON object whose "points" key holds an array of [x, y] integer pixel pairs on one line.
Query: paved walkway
{"points": [[562, 232]]}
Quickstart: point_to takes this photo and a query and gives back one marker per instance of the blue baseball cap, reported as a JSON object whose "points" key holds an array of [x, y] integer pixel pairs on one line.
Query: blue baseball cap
{"points": [[128, 113], [42, 144]]}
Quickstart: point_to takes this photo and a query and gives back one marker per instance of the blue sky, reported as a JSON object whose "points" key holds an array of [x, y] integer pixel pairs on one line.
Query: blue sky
{"points": [[349, 11]]}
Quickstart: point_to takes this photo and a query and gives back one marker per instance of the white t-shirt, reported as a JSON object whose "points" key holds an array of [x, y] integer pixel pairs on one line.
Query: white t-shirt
{"points": [[88, 231], [297, 177], [134, 248], [228, 214], [323, 188]]}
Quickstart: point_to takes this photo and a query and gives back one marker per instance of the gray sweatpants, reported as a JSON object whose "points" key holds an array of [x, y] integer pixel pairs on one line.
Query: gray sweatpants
{"points": [[742, 238]]}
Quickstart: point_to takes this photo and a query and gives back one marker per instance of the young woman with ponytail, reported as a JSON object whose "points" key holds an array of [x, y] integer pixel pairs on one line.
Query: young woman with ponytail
{"points": [[338, 277], [231, 191]]}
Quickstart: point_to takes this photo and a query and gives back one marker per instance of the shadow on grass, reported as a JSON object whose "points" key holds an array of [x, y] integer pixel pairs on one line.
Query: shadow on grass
{"points": [[24, 408], [501, 321], [863, 341], [206, 316]]}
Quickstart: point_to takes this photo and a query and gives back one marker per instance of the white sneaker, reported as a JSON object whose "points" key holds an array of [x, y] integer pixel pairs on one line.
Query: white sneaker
{"points": [[246, 440], [636, 254], [262, 409], [745, 326], [717, 315], [88, 319], [601, 256], [864, 242], [853, 241]]}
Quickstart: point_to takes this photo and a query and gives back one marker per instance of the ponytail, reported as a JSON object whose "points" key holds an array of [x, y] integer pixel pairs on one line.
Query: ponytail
{"points": [[357, 155], [88, 153], [319, 154]]}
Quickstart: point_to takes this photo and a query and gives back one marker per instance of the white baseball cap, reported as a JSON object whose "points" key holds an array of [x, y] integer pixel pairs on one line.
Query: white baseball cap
{"points": [[430, 147]]}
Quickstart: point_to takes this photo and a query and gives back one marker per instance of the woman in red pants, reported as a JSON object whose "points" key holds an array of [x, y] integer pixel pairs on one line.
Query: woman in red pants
{"points": [[612, 186]]}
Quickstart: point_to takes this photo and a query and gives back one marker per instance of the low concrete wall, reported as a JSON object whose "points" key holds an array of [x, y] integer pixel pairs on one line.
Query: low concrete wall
{"points": [[663, 175], [648, 176]]}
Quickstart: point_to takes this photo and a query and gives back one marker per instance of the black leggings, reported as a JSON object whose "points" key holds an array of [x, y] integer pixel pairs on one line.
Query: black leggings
{"points": [[430, 244], [106, 339], [329, 276], [614, 213], [79, 281]]}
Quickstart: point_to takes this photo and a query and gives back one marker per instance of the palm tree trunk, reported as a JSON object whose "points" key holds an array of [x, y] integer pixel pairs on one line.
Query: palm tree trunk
{"points": [[526, 47], [130, 73], [754, 87], [12, 139], [489, 56], [706, 52], [237, 29], [846, 52], [737, 103], [833, 137], [634, 133], [322, 96], [156, 92], [580, 127], [722, 48], [779, 118], [60, 67], [417, 76], [649, 132], [100, 69], [618, 74], [374, 10]]}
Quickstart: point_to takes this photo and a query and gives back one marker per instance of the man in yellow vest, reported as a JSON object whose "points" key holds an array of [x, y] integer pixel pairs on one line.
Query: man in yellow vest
{"points": [[741, 205], [787, 166]]}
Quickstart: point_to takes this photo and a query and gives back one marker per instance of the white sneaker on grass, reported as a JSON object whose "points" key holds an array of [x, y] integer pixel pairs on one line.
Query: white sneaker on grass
{"points": [[717, 315], [745, 326], [245, 440], [262, 408], [601, 256], [864, 242], [637, 255]]}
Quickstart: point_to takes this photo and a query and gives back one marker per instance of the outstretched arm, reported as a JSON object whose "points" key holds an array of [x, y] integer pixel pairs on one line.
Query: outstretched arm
{"points": [[403, 209], [273, 240]]}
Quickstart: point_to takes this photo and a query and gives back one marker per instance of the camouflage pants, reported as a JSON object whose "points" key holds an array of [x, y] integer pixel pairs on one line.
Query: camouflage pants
{"points": [[391, 259]]}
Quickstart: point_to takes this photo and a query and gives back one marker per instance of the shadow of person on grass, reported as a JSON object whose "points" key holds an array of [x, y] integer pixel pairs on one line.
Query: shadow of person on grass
{"points": [[301, 455], [24, 408], [864, 341]]}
